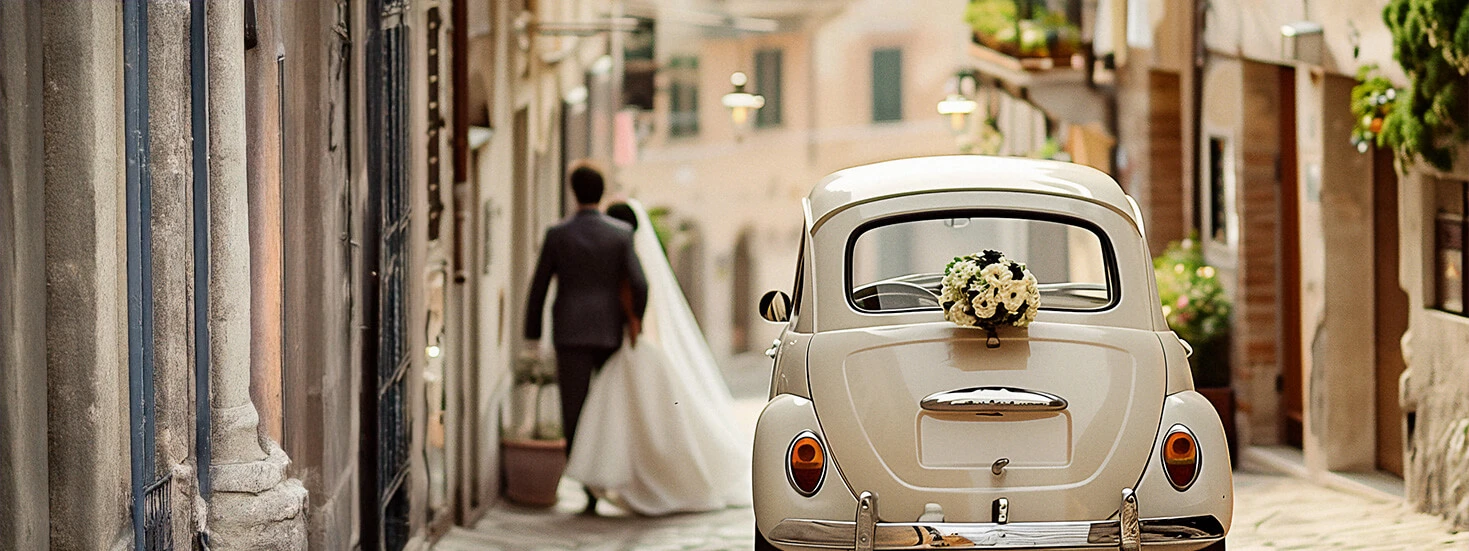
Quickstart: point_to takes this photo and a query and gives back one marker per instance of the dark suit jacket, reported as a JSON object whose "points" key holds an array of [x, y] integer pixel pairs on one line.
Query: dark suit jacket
{"points": [[591, 255]]}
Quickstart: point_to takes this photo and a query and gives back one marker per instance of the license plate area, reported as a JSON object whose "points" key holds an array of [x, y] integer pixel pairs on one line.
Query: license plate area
{"points": [[976, 441]]}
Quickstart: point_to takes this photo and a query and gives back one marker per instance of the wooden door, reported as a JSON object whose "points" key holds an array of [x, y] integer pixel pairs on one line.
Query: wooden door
{"points": [[1391, 312], [1292, 398]]}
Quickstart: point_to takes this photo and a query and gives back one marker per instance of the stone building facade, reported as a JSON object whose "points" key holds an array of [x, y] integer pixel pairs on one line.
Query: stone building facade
{"points": [[1234, 129]]}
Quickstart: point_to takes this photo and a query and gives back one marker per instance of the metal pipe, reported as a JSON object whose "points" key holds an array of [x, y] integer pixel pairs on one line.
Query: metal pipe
{"points": [[199, 109], [139, 258]]}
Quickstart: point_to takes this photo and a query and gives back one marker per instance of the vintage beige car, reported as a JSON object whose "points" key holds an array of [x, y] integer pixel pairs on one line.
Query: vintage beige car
{"points": [[891, 428]]}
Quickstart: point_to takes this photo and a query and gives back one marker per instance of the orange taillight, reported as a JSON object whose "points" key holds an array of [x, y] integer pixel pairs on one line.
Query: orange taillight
{"points": [[806, 464], [1180, 457]]}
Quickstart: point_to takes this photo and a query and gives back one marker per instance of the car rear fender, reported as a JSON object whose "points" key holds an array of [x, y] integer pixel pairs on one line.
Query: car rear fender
{"points": [[1212, 492], [782, 420]]}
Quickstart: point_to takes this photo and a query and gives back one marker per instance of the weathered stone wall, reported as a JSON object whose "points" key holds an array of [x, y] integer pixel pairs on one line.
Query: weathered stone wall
{"points": [[24, 515], [1436, 345]]}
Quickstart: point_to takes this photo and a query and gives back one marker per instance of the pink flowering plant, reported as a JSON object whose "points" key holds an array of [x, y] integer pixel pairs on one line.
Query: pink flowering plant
{"points": [[1196, 307]]}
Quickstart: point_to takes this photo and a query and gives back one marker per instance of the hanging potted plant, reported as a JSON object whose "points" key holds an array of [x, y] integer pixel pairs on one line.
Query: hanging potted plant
{"points": [[1197, 309], [532, 447]]}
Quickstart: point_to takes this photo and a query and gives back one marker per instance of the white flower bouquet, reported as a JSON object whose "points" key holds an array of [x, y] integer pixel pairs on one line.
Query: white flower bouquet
{"points": [[988, 290]]}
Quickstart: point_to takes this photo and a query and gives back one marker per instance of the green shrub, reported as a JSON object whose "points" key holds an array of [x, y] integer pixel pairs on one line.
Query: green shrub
{"points": [[1196, 308]]}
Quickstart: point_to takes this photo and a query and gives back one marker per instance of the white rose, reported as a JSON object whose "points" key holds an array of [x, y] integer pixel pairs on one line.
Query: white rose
{"points": [[1013, 294], [985, 302], [958, 314]]}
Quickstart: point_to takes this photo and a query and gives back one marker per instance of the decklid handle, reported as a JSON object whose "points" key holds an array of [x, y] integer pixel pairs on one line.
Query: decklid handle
{"points": [[992, 399]]}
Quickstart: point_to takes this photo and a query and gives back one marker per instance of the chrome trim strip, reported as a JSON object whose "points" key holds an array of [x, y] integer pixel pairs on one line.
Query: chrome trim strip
{"points": [[992, 399], [1106, 534]]}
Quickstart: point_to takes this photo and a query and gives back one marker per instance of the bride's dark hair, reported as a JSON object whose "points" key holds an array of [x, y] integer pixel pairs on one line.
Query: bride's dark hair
{"points": [[623, 212]]}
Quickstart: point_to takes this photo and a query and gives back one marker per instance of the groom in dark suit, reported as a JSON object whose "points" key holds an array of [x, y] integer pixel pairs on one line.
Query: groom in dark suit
{"points": [[591, 255]]}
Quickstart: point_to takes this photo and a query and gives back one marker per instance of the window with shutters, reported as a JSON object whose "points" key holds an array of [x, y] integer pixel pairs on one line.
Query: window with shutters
{"points": [[768, 83], [1449, 232], [683, 96], [887, 85]]}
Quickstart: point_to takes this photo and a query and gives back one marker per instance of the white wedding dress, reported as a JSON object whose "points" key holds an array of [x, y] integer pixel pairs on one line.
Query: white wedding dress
{"points": [[657, 433]]}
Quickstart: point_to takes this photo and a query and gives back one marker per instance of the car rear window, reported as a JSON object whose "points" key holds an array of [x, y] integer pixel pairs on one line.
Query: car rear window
{"points": [[898, 265]]}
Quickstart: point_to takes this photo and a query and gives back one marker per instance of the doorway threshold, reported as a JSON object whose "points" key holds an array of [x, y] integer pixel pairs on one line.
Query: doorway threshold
{"points": [[1291, 461]]}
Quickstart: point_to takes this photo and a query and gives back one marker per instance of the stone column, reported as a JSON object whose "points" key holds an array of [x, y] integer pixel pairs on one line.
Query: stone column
{"points": [[86, 279], [170, 144], [253, 506], [24, 516]]}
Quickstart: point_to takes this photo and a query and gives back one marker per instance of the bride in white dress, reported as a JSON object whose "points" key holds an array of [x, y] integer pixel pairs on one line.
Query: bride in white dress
{"points": [[657, 433]]}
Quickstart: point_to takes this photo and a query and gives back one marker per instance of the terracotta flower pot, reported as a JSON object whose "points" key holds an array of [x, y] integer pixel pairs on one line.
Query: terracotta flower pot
{"points": [[533, 470]]}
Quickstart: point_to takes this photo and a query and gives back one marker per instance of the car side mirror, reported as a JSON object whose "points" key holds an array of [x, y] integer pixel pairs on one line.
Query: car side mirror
{"points": [[775, 307]]}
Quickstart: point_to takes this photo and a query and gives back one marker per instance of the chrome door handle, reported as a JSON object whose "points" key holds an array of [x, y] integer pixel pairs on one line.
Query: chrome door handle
{"points": [[774, 346], [992, 399]]}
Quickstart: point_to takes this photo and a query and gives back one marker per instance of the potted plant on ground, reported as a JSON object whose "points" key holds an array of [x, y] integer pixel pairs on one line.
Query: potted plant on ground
{"points": [[532, 447], [1197, 310]]}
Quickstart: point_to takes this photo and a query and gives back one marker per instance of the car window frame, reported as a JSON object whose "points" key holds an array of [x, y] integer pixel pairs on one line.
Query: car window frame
{"points": [[1109, 252]]}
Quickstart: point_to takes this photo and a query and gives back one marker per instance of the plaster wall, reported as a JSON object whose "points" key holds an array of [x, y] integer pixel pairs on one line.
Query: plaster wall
{"points": [[1339, 357], [319, 378], [24, 513], [500, 294], [86, 316], [1170, 24], [1353, 32]]}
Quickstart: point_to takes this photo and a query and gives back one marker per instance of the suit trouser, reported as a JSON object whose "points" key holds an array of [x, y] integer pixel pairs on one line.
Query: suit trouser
{"points": [[574, 368]]}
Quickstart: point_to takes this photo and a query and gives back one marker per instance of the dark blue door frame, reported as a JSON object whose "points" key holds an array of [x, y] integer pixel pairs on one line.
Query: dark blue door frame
{"points": [[150, 514]]}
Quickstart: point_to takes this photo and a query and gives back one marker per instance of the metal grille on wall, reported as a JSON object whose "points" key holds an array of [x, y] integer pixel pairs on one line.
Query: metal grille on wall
{"points": [[385, 453]]}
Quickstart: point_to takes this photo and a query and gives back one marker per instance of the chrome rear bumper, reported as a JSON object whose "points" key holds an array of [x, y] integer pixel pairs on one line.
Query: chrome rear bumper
{"points": [[1103, 534]]}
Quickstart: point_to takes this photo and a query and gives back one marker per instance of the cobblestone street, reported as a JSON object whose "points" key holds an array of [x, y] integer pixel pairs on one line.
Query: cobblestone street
{"points": [[1271, 512]]}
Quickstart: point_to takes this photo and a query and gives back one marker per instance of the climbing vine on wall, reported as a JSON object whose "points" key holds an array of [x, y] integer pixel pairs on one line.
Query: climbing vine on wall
{"points": [[1430, 117]]}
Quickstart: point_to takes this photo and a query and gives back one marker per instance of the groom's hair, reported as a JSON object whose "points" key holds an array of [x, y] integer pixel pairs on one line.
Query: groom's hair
{"points": [[586, 183]]}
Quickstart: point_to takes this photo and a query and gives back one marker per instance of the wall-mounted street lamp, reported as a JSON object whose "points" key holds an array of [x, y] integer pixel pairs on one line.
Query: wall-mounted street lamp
{"points": [[958, 108], [742, 105]]}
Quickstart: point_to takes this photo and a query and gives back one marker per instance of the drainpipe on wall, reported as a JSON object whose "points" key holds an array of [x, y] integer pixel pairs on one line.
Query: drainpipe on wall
{"points": [[141, 406], [199, 120]]}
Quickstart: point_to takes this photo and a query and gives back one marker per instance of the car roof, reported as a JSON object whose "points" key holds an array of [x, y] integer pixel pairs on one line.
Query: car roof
{"points": [[866, 183]]}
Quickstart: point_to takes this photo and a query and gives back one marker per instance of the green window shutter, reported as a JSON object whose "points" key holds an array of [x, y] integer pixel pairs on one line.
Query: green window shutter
{"points": [[683, 95], [768, 83], [887, 85]]}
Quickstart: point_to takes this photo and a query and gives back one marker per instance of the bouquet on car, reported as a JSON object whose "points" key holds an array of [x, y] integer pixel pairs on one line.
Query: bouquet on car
{"points": [[988, 290]]}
